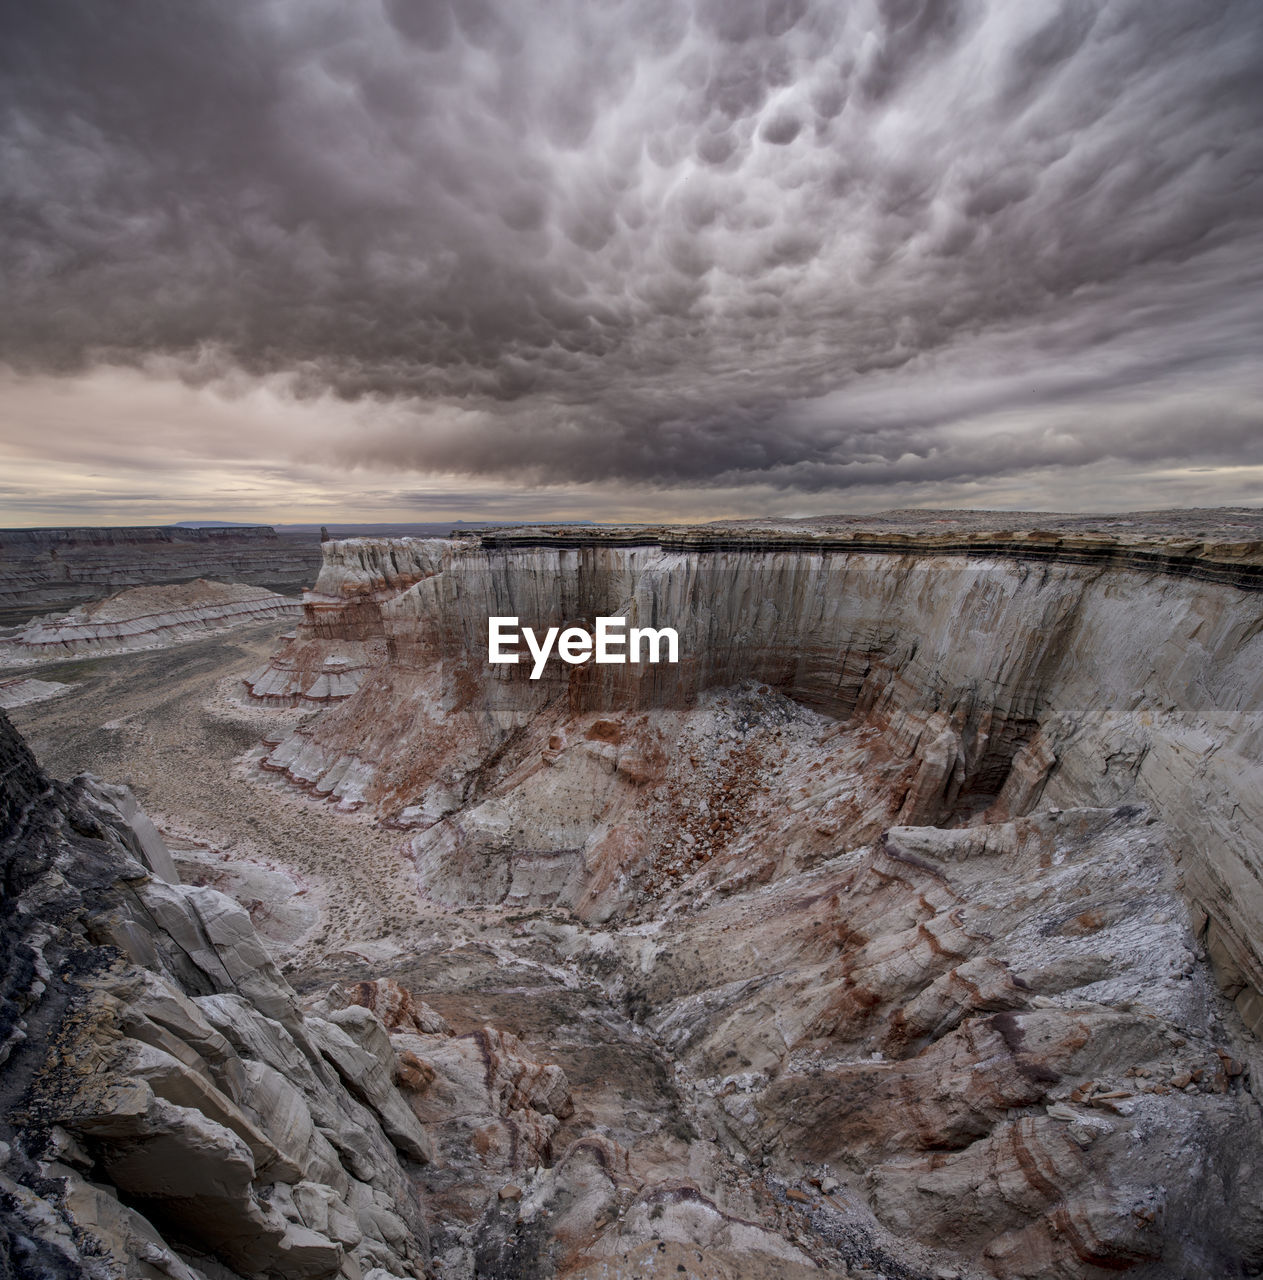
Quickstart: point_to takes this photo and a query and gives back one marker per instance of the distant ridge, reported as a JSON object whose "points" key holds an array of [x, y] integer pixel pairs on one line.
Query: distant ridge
{"points": [[217, 524]]}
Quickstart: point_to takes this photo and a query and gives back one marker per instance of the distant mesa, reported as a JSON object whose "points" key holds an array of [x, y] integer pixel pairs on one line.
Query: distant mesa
{"points": [[217, 524]]}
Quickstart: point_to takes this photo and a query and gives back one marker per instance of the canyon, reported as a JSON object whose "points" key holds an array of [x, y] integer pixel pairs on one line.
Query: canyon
{"points": [[44, 570], [909, 925], [1063, 668]]}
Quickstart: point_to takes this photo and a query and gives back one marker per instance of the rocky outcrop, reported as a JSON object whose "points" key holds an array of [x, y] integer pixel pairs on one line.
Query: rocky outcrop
{"points": [[44, 569], [312, 673], [991, 670], [146, 618], [342, 637], [172, 1109], [996, 1037], [481, 1089]]}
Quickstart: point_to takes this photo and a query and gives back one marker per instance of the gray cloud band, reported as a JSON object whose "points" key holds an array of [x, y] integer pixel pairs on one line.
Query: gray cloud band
{"points": [[723, 242]]}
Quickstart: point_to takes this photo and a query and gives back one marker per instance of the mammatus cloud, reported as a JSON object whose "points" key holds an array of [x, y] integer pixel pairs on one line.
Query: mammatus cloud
{"points": [[780, 247]]}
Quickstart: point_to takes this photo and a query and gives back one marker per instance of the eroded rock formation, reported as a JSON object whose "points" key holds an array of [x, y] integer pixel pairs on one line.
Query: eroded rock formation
{"points": [[145, 618], [888, 912], [993, 671], [169, 1101], [1000, 1033], [172, 1109]]}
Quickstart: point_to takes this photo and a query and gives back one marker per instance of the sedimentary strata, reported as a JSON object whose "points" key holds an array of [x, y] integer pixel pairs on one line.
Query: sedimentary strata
{"points": [[46, 569], [903, 928], [145, 618], [990, 671], [997, 1035]]}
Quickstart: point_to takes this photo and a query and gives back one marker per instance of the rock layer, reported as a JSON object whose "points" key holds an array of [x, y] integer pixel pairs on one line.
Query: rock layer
{"points": [[864, 934], [145, 618], [173, 1109], [997, 1035], [43, 569]]}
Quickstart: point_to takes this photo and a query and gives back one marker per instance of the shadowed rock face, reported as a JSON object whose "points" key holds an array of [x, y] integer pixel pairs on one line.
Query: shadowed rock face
{"points": [[991, 669], [166, 1096]]}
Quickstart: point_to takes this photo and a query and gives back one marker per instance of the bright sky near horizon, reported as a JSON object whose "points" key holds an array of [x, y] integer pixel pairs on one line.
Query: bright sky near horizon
{"points": [[299, 260]]}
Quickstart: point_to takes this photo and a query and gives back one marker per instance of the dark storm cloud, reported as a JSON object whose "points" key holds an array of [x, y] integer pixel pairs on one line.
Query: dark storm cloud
{"points": [[772, 241]]}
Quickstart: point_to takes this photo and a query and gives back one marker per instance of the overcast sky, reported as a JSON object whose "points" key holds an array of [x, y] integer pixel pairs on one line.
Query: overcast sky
{"points": [[393, 259]]}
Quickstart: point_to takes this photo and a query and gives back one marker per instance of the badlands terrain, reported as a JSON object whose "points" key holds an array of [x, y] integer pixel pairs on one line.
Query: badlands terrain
{"points": [[44, 570], [910, 926]]}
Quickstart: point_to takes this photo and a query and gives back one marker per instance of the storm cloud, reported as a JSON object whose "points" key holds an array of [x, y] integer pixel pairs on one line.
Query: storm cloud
{"points": [[791, 245]]}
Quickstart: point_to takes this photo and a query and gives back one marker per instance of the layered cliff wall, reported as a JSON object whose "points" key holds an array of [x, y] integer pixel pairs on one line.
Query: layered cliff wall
{"points": [[886, 873], [1088, 669], [43, 569]]}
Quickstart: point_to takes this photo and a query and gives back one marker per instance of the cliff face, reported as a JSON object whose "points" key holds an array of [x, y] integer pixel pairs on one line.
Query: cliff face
{"points": [[43, 569], [988, 671]]}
